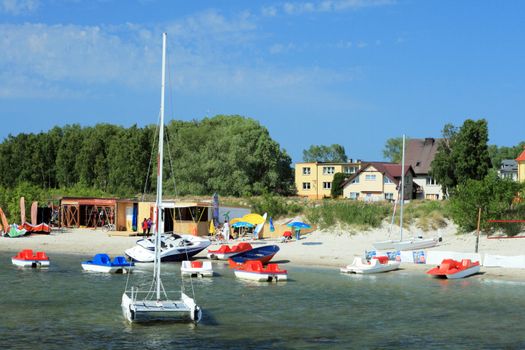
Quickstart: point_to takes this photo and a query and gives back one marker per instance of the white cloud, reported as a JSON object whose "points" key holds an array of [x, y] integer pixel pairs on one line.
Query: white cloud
{"points": [[207, 52], [297, 8], [18, 7], [269, 11]]}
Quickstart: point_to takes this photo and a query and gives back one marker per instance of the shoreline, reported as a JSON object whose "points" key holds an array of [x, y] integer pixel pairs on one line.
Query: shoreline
{"points": [[317, 249]]}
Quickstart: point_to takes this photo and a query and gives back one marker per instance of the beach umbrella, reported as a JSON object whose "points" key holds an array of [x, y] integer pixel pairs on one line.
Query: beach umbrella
{"points": [[298, 224], [243, 224], [235, 220], [254, 219]]}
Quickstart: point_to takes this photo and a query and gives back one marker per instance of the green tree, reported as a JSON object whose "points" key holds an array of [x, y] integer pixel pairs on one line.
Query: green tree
{"points": [[495, 197], [393, 149], [333, 153], [497, 154], [462, 155], [337, 190]]}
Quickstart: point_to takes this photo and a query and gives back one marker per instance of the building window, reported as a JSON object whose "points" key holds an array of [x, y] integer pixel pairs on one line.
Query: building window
{"points": [[306, 171], [306, 185], [327, 170], [327, 185], [370, 177], [350, 169], [356, 180], [389, 196], [353, 195], [431, 181], [387, 180]]}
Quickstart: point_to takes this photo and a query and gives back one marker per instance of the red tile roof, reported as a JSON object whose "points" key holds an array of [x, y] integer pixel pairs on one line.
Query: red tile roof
{"points": [[521, 157]]}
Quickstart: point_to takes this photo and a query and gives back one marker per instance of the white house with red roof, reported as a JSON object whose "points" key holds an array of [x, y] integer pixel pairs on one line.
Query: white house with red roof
{"points": [[521, 166], [377, 181]]}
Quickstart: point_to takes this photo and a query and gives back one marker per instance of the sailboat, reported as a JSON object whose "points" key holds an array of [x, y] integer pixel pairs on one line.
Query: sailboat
{"points": [[154, 304], [400, 244]]}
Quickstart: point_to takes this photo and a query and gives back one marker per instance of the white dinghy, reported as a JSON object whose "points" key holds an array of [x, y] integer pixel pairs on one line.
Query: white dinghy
{"points": [[154, 304]]}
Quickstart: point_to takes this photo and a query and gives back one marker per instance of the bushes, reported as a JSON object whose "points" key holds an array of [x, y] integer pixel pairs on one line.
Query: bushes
{"points": [[359, 214], [275, 206], [496, 198]]}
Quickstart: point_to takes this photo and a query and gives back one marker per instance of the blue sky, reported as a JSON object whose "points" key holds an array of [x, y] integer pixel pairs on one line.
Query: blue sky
{"points": [[352, 72]]}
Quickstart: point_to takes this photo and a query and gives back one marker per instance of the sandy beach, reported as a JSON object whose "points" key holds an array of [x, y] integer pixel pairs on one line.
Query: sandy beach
{"points": [[319, 248]]}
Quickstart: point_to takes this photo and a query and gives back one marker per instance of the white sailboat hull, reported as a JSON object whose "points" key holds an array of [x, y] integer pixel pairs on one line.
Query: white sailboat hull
{"points": [[416, 243], [361, 266], [410, 244]]}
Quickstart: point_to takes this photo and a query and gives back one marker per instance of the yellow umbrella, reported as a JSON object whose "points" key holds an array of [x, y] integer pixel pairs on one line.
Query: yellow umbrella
{"points": [[255, 219], [212, 227]]}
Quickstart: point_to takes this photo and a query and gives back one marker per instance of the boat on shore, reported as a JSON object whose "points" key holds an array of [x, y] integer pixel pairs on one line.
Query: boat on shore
{"points": [[26, 258], [196, 268], [173, 247], [225, 252], [377, 264], [103, 263], [453, 269], [263, 254], [255, 271]]}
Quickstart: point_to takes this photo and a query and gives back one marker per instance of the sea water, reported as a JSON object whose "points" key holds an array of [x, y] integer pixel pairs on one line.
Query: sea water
{"points": [[63, 307]]}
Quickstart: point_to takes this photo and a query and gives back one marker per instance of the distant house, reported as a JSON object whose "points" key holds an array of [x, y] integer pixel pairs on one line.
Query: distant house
{"points": [[521, 166], [378, 181], [314, 179], [419, 154], [508, 169]]}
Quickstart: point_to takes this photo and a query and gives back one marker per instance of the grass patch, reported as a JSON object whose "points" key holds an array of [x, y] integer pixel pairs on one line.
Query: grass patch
{"points": [[351, 213]]}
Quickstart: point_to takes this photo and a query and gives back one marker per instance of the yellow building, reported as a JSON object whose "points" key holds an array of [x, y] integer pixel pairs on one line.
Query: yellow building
{"points": [[314, 180], [521, 166], [379, 182]]}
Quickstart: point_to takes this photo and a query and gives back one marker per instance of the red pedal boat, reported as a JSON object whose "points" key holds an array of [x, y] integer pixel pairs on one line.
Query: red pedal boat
{"points": [[453, 269], [255, 271], [26, 258], [225, 252]]}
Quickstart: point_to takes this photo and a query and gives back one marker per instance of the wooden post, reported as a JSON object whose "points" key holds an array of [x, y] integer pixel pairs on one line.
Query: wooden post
{"points": [[477, 236]]}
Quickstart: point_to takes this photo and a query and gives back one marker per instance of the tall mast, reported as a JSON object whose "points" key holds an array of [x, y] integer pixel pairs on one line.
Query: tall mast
{"points": [[402, 188], [160, 162]]}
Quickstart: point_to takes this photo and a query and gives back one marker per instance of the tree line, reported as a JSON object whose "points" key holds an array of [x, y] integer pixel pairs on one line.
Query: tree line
{"points": [[231, 155]]}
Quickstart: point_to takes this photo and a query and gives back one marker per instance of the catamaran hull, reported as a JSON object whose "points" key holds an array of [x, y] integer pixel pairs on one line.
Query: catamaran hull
{"points": [[146, 311], [261, 277], [30, 263]]}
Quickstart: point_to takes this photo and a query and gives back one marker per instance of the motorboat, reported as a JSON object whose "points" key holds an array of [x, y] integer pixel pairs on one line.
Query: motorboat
{"points": [[156, 304], [103, 263], [225, 252], [453, 269], [196, 268], [173, 247], [26, 258], [376, 265], [255, 271], [263, 254]]}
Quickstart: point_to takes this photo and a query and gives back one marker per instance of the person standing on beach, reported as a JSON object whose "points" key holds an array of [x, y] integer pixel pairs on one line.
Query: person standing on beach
{"points": [[144, 227], [297, 233], [149, 226], [226, 230]]}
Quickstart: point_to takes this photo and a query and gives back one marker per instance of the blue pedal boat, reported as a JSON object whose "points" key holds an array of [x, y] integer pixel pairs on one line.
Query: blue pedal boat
{"points": [[103, 263], [263, 254]]}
